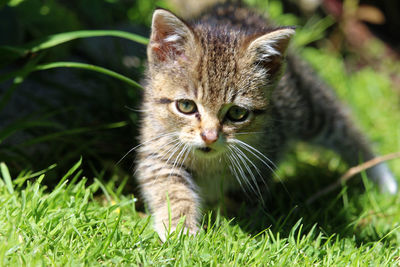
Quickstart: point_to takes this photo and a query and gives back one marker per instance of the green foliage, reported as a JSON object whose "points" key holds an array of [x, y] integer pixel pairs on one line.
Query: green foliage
{"points": [[10, 53], [34, 49], [20, 75], [140, 7], [71, 226], [311, 30]]}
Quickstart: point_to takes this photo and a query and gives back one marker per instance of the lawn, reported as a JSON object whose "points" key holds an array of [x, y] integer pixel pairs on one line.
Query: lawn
{"points": [[78, 223], [66, 201]]}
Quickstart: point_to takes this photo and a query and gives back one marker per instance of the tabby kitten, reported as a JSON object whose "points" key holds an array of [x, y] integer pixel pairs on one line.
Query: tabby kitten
{"points": [[222, 100]]}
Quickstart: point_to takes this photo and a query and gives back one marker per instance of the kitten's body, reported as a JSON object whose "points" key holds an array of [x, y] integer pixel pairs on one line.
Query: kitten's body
{"points": [[227, 64]]}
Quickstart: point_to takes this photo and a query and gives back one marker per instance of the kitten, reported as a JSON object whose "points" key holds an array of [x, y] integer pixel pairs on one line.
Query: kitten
{"points": [[222, 100]]}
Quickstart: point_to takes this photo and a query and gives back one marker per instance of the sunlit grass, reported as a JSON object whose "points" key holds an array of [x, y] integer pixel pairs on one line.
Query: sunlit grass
{"points": [[71, 225]]}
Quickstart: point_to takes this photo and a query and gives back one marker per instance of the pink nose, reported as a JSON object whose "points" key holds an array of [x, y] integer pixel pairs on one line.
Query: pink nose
{"points": [[209, 136]]}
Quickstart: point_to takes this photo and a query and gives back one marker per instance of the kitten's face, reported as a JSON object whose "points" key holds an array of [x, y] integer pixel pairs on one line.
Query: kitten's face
{"points": [[211, 86], [210, 113]]}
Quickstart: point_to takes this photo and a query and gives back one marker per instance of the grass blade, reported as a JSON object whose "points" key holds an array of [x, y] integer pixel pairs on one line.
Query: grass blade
{"points": [[69, 173], [56, 39], [20, 126], [20, 180], [75, 131], [60, 38], [89, 67], [111, 235], [6, 177], [18, 77]]}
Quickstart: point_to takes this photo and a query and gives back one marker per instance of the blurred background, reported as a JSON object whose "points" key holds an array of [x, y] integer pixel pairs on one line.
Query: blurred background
{"points": [[58, 115]]}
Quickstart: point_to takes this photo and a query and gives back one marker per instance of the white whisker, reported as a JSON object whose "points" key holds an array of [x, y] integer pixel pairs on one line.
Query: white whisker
{"points": [[232, 168], [135, 110], [176, 148], [250, 149], [187, 154], [253, 151], [253, 178], [242, 173], [251, 162], [249, 133], [256, 150], [181, 153], [243, 157], [155, 154], [141, 144]]}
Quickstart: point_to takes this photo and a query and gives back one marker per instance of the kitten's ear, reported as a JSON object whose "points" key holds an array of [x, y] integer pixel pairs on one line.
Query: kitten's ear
{"points": [[268, 50], [169, 36]]}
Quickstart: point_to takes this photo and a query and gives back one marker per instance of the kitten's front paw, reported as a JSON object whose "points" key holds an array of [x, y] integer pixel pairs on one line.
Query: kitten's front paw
{"points": [[162, 229]]}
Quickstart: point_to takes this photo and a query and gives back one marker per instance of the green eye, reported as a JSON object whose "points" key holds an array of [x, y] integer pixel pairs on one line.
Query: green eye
{"points": [[237, 114], [186, 106]]}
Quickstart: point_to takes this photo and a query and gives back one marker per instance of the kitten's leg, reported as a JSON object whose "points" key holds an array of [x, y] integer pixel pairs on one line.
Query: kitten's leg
{"points": [[170, 194], [312, 113]]}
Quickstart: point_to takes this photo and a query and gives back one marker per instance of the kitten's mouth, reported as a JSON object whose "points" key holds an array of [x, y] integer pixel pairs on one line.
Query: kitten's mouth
{"points": [[205, 149], [208, 151]]}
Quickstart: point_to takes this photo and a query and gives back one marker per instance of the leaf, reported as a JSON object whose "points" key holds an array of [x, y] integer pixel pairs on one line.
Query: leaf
{"points": [[370, 14], [20, 180], [3, 3], [14, 3], [30, 67], [60, 38], [88, 67], [18, 126], [75, 131], [9, 53], [19, 77], [6, 177], [69, 173]]}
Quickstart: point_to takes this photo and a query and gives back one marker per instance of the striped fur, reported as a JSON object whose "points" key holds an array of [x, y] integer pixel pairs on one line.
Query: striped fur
{"points": [[229, 57]]}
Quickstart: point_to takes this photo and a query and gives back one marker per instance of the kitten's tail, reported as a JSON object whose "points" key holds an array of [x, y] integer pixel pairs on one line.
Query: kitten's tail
{"points": [[381, 175], [330, 125]]}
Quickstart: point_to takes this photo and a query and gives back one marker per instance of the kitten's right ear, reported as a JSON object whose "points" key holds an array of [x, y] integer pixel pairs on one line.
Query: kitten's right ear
{"points": [[169, 37], [268, 50]]}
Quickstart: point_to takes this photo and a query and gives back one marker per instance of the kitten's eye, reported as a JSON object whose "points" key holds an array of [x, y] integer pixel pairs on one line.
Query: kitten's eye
{"points": [[186, 106], [237, 114]]}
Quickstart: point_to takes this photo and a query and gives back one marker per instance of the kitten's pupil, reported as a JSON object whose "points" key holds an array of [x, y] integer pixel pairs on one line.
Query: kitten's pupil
{"points": [[237, 114], [186, 106]]}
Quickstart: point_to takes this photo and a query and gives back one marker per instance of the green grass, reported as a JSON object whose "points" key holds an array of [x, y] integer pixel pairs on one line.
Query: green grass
{"points": [[79, 223]]}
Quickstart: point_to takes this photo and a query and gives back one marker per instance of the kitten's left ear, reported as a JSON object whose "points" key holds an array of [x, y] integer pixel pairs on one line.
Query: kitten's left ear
{"points": [[170, 37], [270, 48]]}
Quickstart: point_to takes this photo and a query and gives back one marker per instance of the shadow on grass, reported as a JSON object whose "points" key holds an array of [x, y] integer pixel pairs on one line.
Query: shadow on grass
{"points": [[338, 213], [344, 213]]}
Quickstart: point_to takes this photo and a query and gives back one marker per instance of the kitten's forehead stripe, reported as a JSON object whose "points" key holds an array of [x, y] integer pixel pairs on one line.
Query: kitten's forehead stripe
{"points": [[233, 94], [219, 63], [199, 77], [186, 87]]}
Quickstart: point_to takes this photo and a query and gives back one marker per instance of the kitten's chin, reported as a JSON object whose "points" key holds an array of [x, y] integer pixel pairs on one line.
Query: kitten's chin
{"points": [[207, 152]]}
